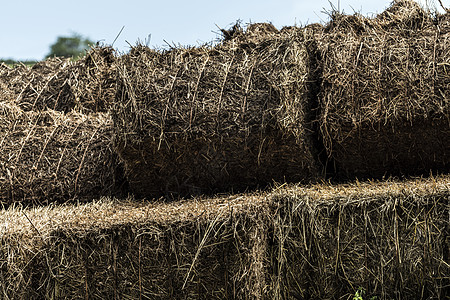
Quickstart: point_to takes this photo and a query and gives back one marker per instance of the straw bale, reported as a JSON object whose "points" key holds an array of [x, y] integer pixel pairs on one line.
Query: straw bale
{"points": [[51, 156], [44, 85], [390, 238], [384, 100], [202, 249], [210, 119], [87, 85]]}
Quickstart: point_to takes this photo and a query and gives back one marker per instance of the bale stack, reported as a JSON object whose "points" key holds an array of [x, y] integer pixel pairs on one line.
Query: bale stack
{"points": [[385, 90], [220, 118], [51, 156], [86, 85]]}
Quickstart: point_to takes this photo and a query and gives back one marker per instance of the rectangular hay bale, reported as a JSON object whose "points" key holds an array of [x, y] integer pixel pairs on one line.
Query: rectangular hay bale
{"points": [[213, 119], [51, 156], [385, 93], [390, 238], [201, 249]]}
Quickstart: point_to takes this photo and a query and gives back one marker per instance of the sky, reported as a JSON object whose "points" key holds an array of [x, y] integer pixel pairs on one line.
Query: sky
{"points": [[28, 28]]}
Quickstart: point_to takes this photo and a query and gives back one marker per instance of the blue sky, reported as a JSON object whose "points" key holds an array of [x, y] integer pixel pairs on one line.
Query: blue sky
{"points": [[28, 28]]}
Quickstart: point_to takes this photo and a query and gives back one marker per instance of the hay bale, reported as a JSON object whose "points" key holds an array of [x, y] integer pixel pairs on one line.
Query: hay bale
{"points": [[44, 85], [51, 156], [211, 119], [385, 90], [202, 249], [390, 238], [86, 85]]}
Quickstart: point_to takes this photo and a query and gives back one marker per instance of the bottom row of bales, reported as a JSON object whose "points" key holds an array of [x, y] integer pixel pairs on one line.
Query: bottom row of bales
{"points": [[317, 242]]}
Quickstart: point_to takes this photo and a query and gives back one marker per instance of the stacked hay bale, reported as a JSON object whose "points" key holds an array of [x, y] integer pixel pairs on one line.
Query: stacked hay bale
{"points": [[86, 85], [202, 249], [391, 239], [56, 131], [220, 118], [385, 90], [50, 156]]}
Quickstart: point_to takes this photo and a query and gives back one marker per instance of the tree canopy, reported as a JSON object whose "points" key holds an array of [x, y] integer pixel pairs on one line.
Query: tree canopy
{"points": [[69, 46]]}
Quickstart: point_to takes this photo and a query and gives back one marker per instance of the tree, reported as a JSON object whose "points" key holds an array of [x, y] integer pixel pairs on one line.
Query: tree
{"points": [[72, 46]]}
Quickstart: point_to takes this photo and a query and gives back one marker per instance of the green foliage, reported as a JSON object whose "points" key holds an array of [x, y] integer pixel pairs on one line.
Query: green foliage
{"points": [[71, 46], [12, 62], [360, 293]]}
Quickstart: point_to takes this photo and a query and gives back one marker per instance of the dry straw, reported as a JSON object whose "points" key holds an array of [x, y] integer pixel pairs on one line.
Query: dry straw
{"points": [[86, 85], [384, 99], [202, 249], [220, 118], [51, 156], [390, 238], [315, 242], [236, 115]]}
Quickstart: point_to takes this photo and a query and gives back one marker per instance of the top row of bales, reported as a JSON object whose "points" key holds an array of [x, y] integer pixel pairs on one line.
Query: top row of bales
{"points": [[360, 97]]}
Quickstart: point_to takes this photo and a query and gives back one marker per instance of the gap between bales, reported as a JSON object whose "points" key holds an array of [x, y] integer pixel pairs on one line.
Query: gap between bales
{"points": [[319, 241]]}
